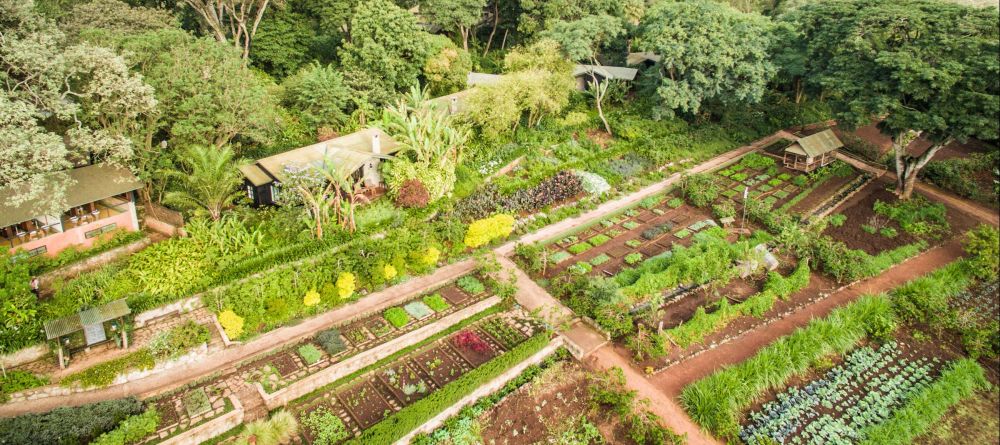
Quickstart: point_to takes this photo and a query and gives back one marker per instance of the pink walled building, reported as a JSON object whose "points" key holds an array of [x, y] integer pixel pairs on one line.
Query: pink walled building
{"points": [[99, 200]]}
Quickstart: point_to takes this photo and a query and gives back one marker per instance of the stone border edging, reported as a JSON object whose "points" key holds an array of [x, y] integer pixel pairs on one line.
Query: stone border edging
{"points": [[484, 390], [359, 361], [210, 429]]}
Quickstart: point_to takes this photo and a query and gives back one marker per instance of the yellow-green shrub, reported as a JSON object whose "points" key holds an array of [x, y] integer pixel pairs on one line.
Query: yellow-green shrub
{"points": [[431, 256], [311, 298], [483, 231], [345, 285], [231, 323], [389, 272]]}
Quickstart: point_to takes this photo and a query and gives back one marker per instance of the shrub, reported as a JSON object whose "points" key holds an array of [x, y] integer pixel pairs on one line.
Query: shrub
{"points": [[325, 427], [276, 431], [700, 189], [757, 161], [231, 323], [801, 180], [888, 232], [630, 225], [917, 216], [413, 194], [471, 285], [105, 373], [389, 272], [131, 430], [724, 209], [65, 425], [346, 284], [397, 316], [592, 183], [178, 340], [983, 246], [633, 243], [309, 353], [600, 259], [633, 258], [436, 302], [675, 203], [330, 341], [483, 231], [837, 220], [581, 268], [650, 202], [196, 402], [311, 298], [774, 182], [417, 309], [16, 381]]}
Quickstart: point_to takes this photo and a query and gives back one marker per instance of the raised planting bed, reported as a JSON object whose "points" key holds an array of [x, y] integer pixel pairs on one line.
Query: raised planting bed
{"points": [[371, 397]]}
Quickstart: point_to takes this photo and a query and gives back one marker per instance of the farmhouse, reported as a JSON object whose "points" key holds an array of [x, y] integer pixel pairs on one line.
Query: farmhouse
{"points": [[812, 152], [100, 199], [584, 74], [356, 155]]}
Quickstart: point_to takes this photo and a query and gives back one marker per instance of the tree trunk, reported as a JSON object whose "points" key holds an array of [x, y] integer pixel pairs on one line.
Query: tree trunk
{"points": [[496, 21], [908, 167], [599, 93], [465, 37]]}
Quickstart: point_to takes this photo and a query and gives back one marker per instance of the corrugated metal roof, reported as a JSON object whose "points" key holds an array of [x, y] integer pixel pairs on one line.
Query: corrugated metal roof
{"points": [[444, 102], [473, 79], [73, 323], [817, 144], [352, 150], [255, 175], [607, 72], [86, 184], [640, 57]]}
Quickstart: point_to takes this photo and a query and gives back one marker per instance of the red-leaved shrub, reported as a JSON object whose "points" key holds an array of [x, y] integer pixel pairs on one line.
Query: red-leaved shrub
{"points": [[471, 341], [413, 194]]}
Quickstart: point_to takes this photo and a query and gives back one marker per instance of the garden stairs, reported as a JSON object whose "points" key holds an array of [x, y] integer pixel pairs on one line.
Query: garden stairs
{"points": [[253, 404]]}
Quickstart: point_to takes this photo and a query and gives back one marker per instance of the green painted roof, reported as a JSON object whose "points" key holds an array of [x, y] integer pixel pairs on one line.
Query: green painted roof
{"points": [[816, 144], [73, 323], [84, 185]]}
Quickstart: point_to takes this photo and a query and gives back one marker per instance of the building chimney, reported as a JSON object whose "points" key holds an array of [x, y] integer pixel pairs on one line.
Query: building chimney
{"points": [[453, 106], [376, 144]]}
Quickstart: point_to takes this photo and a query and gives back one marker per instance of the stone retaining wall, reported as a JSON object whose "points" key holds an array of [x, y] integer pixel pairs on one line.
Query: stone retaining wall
{"points": [[483, 391], [361, 360], [178, 307], [210, 429]]}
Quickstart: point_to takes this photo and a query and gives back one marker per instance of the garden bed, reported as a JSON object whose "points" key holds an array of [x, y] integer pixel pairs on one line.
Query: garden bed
{"points": [[290, 364], [414, 376]]}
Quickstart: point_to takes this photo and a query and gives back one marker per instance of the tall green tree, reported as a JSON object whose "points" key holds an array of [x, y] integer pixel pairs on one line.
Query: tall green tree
{"points": [[581, 40], [709, 51], [319, 94], [454, 16], [447, 67], [232, 21], [59, 100], [927, 67], [209, 181], [386, 45]]}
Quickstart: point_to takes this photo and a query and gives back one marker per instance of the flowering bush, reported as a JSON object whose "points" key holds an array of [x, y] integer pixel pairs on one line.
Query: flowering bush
{"points": [[311, 298], [483, 231], [345, 285], [231, 323], [389, 272], [431, 256]]}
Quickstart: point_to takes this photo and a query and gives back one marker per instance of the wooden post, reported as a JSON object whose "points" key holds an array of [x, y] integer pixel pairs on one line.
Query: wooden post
{"points": [[62, 364], [124, 333]]}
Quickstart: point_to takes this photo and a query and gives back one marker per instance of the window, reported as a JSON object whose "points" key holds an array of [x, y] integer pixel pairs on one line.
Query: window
{"points": [[274, 192], [250, 192], [99, 231]]}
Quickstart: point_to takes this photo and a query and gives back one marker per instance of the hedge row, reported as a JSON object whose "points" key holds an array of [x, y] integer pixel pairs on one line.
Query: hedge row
{"points": [[412, 416], [64, 426], [716, 401], [959, 381]]}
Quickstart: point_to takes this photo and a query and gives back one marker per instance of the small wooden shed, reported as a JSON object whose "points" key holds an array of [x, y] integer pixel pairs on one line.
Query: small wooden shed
{"points": [[813, 151], [89, 328]]}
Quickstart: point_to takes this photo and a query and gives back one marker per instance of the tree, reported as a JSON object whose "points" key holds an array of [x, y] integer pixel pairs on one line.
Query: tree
{"points": [[116, 17], [386, 45], [17, 305], [538, 15], [231, 19], [447, 67], [708, 51], [929, 68], [283, 42], [581, 40], [57, 101], [209, 182], [430, 144], [207, 95], [454, 16], [326, 195], [319, 94]]}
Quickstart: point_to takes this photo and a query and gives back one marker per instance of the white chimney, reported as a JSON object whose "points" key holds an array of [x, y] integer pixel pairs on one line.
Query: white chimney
{"points": [[453, 106], [376, 144]]}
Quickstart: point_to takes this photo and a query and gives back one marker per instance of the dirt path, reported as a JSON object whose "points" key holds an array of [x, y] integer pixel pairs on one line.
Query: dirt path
{"points": [[665, 407], [674, 379]]}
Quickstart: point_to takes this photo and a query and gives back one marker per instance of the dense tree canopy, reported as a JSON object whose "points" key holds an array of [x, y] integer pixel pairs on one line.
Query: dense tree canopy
{"points": [[454, 16], [927, 67], [709, 51]]}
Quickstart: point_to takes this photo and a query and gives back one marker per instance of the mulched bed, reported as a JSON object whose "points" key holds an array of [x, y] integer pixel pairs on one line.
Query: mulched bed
{"points": [[284, 363], [677, 312], [824, 191], [442, 364], [453, 294], [378, 326], [472, 357], [365, 403], [168, 411], [397, 378], [357, 334]]}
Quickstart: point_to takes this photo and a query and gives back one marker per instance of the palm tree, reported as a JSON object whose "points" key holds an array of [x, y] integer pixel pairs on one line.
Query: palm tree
{"points": [[209, 181]]}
